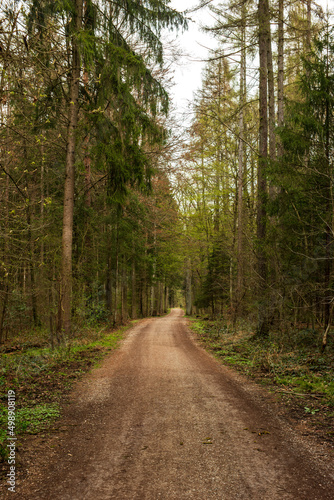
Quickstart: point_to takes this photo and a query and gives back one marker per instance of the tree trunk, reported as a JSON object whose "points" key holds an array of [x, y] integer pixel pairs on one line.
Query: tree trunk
{"points": [[309, 24], [162, 298], [42, 206], [145, 312], [271, 90], [271, 96], [116, 276], [153, 309], [188, 289], [329, 211], [134, 289], [32, 271], [241, 157], [166, 298], [68, 210], [263, 13], [87, 160], [4, 283], [280, 79], [124, 293], [217, 188], [5, 294], [109, 285]]}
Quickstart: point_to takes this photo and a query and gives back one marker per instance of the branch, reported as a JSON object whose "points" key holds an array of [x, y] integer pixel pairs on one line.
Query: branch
{"points": [[13, 181]]}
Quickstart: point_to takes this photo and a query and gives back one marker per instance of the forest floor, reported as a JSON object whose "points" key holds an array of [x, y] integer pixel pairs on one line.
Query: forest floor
{"points": [[161, 418], [292, 366]]}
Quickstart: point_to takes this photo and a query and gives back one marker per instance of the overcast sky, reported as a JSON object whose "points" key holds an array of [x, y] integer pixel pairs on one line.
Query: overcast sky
{"points": [[188, 74], [195, 43]]}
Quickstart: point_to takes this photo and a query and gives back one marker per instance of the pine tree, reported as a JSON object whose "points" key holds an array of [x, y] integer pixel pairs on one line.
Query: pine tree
{"points": [[127, 97], [304, 205]]}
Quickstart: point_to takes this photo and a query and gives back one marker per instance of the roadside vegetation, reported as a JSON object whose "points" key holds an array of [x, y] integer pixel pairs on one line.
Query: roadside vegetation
{"points": [[41, 377], [291, 364]]}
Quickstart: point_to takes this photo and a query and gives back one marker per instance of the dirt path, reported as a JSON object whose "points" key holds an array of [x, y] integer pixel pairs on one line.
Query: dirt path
{"points": [[162, 419]]}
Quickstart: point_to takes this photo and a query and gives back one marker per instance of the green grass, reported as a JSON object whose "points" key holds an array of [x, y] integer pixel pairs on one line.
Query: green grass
{"points": [[42, 377], [28, 361], [293, 361], [29, 420]]}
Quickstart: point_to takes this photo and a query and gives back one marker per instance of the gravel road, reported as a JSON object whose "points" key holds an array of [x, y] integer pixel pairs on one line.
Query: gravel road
{"points": [[163, 419]]}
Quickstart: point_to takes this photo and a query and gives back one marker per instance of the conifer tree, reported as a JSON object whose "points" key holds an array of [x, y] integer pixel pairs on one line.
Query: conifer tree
{"points": [[127, 96], [304, 203]]}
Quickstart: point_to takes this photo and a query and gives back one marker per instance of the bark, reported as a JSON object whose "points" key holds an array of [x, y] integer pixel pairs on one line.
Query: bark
{"points": [[5, 294], [5, 256], [218, 160], [116, 276], [42, 204], [162, 297], [51, 337], [87, 163], [271, 93], [241, 157], [33, 291], [134, 290], [263, 12], [158, 298], [87, 160], [124, 293], [309, 24], [166, 298], [64, 324], [153, 309], [188, 289], [145, 309], [329, 211], [109, 284], [280, 78]]}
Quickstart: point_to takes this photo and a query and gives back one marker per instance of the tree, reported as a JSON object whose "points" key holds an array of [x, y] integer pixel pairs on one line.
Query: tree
{"points": [[126, 84], [305, 204], [73, 75], [263, 14]]}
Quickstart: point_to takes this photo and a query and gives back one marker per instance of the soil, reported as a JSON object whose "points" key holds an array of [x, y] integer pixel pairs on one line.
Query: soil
{"points": [[161, 418]]}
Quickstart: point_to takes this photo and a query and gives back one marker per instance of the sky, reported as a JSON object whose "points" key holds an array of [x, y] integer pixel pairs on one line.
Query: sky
{"points": [[196, 43]]}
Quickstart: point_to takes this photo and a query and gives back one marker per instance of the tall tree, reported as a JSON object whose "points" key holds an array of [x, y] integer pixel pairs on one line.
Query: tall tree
{"points": [[305, 201], [132, 88], [263, 20], [64, 311], [241, 168]]}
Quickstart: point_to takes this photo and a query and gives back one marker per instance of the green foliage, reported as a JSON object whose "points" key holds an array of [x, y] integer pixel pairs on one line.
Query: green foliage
{"points": [[289, 361], [311, 410], [303, 205], [29, 420], [32, 420], [121, 134], [215, 287], [41, 377]]}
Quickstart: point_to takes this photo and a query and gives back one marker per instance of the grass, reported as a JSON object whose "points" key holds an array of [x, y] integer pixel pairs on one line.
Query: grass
{"points": [[30, 420], [41, 377], [290, 364]]}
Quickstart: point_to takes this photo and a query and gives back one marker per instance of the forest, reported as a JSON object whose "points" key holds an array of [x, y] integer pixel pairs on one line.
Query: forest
{"points": [[114, 209], [108, 214]]}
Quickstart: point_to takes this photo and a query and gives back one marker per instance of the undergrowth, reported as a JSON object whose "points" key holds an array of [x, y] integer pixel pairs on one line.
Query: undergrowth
{"points": [[29, 420], [292, 361], [41, 376]]}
